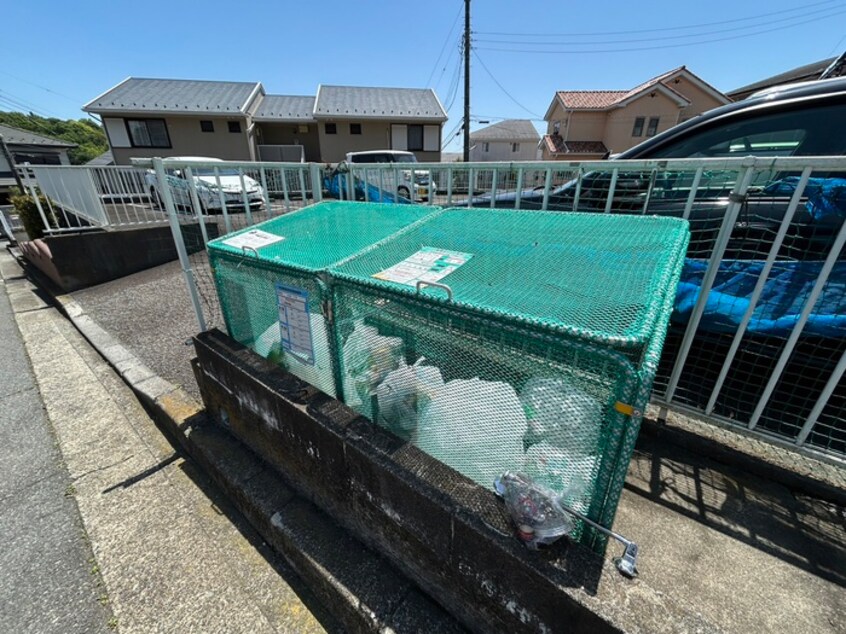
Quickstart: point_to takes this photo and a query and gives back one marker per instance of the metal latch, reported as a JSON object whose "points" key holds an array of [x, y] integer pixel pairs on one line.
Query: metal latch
{"points": [[627, 563]]}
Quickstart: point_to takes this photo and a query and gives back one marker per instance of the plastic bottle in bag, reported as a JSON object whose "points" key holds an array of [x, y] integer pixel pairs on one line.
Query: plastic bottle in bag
{"points": [[533, 508], [474, 426], [567, 475], [562, 414]]}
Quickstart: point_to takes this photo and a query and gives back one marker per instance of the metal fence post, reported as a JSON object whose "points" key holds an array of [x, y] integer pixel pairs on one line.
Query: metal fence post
{"points": [[167, 199], [316, 183], [34, 193]]}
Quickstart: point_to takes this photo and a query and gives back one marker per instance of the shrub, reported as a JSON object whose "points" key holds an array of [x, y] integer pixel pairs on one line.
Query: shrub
{"points": [[27, 211]]}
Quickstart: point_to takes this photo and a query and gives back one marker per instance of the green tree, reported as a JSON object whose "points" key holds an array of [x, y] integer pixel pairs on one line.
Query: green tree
{"points": [[85, 133]]}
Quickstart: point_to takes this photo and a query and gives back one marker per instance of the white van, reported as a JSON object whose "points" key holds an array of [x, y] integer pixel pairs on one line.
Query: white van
{"points": [[404, 186]]}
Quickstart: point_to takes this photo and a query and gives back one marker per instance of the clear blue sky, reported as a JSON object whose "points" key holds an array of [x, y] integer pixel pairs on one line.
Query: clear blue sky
{"points": [[61, 54]]}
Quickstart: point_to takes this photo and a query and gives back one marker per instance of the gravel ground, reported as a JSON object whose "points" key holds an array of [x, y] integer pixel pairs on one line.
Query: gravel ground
{"points": [[150, 313]]}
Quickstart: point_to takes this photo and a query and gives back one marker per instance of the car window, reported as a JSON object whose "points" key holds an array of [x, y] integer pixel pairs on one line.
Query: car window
{"points": [[363, 158], [809, 131]]}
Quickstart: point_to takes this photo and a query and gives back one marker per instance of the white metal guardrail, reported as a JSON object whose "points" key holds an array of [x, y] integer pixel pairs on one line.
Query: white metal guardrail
{"points": [[757, 340]]}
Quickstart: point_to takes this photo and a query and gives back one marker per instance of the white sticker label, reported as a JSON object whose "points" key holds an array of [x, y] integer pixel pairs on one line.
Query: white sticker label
{"points": [[295, 322], [255, 239], [427, 265]]}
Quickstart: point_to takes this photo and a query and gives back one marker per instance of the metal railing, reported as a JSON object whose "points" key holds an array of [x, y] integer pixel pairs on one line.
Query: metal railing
{"points": [[78, 198], [758, 337]]}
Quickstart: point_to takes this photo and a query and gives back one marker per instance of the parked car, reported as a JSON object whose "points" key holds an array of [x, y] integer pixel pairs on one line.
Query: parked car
{"points": [[209, 186], [806, 119], [408, 180]]}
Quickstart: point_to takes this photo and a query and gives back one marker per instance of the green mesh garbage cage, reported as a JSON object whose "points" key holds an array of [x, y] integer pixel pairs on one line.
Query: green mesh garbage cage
{"points": [[271, 280], [502, 340]]}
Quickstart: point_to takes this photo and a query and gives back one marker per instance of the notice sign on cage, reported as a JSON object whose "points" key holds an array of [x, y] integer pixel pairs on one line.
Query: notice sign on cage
{"points": [[295, 322], [254, 239], [429, 264]]}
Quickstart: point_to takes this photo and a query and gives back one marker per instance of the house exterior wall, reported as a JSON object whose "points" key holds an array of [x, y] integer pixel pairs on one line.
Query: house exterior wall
{"points": [[272, 133], [502, 150], [618, 131], [700, 101], [585, 126], [187, 139], [375, 135]]}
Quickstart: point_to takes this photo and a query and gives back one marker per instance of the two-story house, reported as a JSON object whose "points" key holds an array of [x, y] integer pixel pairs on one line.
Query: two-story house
{"points": [[509, 140], [239, 121], [592, 124]]}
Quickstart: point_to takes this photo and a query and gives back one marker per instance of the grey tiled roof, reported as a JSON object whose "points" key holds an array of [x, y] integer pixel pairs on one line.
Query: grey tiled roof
{"points": [[285, 108], [185, 96], [508, 130], [378, 103], [14, 136]]}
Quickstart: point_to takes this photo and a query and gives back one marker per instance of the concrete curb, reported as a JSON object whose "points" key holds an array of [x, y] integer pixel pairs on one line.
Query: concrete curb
{"points": [[361, 589]]}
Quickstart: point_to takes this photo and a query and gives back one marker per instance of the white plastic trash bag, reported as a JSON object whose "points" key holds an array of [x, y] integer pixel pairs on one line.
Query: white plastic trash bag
{"points": [[368, 358], [476, 427], [404, 393]]}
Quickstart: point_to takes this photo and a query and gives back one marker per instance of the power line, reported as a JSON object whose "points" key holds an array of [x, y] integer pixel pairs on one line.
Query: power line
{"points": [[656, 30], [452, 93], [651, 39], [26, 81], [18, 102], [501, 87], [443, 48], [652, 48]]}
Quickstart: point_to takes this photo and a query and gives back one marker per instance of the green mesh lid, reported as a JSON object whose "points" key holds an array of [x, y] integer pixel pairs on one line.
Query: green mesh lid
{"points": [[323, 234], [601, 277]]}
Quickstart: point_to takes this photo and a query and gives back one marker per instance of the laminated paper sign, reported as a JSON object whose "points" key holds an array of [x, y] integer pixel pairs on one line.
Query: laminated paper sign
{"points": [[255, 239], [295, 322], [429, 264]]}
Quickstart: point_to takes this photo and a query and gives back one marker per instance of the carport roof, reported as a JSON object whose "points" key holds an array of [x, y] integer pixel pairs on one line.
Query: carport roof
{"points": [[285, 108], [176, 96], [360, 102]]}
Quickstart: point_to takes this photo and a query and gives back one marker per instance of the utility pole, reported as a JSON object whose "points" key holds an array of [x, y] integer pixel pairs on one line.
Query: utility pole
{"points": [[466, 81], [11, 163]]}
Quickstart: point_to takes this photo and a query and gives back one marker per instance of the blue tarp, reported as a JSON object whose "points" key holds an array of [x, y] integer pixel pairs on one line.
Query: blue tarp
{"points": [[779, 306], [826, 196], [336, 183]]}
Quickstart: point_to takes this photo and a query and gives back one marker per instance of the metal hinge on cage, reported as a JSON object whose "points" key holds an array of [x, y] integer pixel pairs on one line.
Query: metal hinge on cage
{"points": [[627, 410]]}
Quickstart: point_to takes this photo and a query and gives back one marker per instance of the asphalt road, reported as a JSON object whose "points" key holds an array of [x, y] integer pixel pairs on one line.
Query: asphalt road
{"points": [[48, 582]]}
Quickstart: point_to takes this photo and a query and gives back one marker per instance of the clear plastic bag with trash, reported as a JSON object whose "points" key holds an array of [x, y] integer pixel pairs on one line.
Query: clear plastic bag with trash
{"points": [[534, 509], [368, 358], [562, 414], [404, 394], [568, 475], [474, 426]]}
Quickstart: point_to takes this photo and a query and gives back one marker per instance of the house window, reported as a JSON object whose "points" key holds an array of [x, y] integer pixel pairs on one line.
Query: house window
{"points": [[148, 133], [331, 128], [487, 147], [515, 147], [355, 128], [206, 125], [637, 130], [234, 126], [652, 128], [415, 137], [556, 127]]}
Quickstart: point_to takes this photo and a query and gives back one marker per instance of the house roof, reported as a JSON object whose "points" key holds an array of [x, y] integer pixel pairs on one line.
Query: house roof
{"points": [[807, 72], [103, 159], [557, 145], [378, 103], [607, 99], [508, 130], [16, 136], [285, 108], [182, 96]]}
